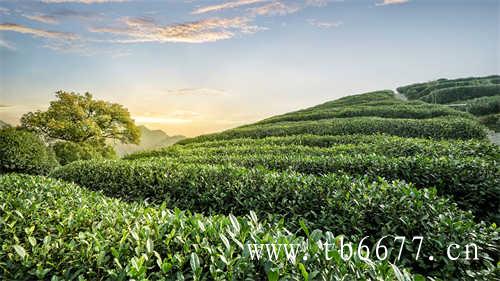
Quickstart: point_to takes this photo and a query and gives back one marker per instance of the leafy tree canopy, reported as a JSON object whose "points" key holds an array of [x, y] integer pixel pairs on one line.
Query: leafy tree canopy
{"points": [[81, 119]]}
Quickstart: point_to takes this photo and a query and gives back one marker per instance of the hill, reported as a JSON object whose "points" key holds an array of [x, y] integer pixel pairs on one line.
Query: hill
{"points": [[478, 95], [3, 125], [370, 113], [150, 139], [368, 165]]}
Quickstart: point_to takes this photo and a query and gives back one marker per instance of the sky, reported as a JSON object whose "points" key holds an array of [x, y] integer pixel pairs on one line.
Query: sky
{"points": [[192, 67]]}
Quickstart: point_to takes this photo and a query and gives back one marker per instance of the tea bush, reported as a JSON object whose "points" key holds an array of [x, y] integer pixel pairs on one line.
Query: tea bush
{"points": [[473, 183], [448, 95], [341, 204], [371, 97], [419, 90], [24, 152], [482, 106], [436, 128], [330, 146], [473, 147], [492, 121], [388, 111], [50, 230]]}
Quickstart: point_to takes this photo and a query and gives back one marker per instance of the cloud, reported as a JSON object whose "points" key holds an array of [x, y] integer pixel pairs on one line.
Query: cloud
{"points": [[275, 8], [75, 14], [6, 45], [391, 2], [82, 1], [207, 30], [196, 92], [324, 24], [37, 32], [227, 5], [42, 18]]}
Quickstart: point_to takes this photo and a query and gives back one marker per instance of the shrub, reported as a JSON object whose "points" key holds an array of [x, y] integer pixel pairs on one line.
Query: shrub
{"points": [[340, 204], [471, 182], [495, 80], [24, 152], [377, 96], [57, 231], [436, 128], [406, 146], [492, 121], [482, 106], [68, 152], [448, 95], [419, 90], [298, 145], [387, 111], [443, 85]]}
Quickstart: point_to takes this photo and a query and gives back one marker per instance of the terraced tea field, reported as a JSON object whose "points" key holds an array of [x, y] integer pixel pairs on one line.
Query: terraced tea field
{"points": [[368, 165]]}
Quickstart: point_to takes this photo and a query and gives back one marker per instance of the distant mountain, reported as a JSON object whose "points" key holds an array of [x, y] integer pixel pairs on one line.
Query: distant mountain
{"points": [[150, 139], [4, 125]]}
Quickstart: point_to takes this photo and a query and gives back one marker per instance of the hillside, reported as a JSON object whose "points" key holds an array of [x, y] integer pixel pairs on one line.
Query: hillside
{"points": [[370, 113], [150, 139], [363, 165], [477, 95]]}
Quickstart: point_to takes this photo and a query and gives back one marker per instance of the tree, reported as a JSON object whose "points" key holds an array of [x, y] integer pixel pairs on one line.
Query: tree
{"points": [[80, 119]]}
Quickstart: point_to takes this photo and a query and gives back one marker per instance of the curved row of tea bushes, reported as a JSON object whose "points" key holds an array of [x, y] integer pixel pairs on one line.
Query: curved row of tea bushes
{"points": [[333, 107], [438, 86], [330, 146], [52, 230], [473, 147], [418, 90], [371, 97], [443, 85], [473, 183], [380, 98], [449, 95], [492, 121], [341, 204], [388, 111], [482, 106], [436, 128]]}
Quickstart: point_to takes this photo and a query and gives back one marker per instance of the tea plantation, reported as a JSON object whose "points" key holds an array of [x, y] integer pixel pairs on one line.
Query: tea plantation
{"points": [[364, 165], [479, 96]]}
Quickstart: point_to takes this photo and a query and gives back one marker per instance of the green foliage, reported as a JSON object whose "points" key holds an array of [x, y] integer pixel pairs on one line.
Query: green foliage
{"points": [[67, 152], [365, 98], [50, 230], [478, 96], [469, 147], [437, 128], [448, 95], [80, 118], [341, 204], [492, 121], [313, 145], [387, 111], [24, 152], [367, 164], [482, 106], [473, 183], [419, 90]]}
